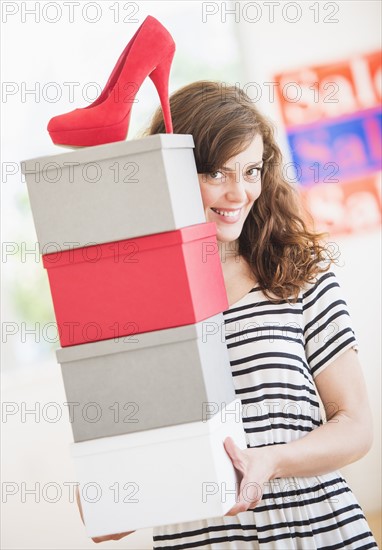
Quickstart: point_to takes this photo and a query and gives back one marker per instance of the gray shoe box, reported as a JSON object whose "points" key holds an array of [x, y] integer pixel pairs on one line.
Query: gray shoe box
{"points": [[114, 191], [150, 380]]}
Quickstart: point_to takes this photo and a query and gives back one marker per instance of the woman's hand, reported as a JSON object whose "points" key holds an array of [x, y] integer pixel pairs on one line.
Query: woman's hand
{"points": [[256, 467], [117, 536]]}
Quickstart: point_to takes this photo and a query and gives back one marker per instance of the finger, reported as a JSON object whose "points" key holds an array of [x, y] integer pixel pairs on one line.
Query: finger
{"points": [[121, 535], [231, 512], [79, 504], [100, 539], [105, 538], [236, 454], [236, 510], [249, 496]]}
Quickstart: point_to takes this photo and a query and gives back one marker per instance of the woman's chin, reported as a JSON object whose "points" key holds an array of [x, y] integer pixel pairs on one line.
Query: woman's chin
{"points": [[227, 234]]}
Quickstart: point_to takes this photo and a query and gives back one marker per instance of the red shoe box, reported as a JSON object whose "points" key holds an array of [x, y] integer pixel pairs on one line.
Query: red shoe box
{"points": [[137, 285]]}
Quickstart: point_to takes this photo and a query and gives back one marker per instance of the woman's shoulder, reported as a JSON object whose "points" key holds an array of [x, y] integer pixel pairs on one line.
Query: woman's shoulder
{"points": [[321, 278], [327, 323]]}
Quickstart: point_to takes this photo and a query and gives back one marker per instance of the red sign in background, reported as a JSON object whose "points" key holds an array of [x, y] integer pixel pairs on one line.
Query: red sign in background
{"points": [[310, 99], [329, 91], [350, 207]]}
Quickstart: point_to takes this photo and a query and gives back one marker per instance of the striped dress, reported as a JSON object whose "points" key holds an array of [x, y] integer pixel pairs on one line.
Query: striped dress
{"points": [[276, 351]]}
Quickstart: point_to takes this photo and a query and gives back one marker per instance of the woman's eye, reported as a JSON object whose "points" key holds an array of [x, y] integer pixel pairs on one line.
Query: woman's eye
{"points": [[254, 173], [216, 175]]}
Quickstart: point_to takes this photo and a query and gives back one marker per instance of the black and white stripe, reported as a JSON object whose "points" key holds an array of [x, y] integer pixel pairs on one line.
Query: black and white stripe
{"points": [[276, 351]]}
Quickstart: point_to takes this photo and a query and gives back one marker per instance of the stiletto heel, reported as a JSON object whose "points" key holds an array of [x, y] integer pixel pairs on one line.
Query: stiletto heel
{"points": [[149, 53], [160, 77]]}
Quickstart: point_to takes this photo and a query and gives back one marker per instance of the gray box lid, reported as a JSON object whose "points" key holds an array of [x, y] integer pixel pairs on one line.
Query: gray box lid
{"points": [[109, 151], [137, 341]]}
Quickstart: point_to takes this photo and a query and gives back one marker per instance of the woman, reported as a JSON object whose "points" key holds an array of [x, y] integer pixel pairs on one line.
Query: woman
{"points": [[289, 338]]}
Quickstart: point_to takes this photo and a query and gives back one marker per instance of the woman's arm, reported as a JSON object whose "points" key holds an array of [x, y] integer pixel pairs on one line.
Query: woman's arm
{"points": [[348, 433], [344, 438]]}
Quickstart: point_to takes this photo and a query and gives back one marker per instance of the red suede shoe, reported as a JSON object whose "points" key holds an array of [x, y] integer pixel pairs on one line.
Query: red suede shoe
{"points": [[149, 53]]}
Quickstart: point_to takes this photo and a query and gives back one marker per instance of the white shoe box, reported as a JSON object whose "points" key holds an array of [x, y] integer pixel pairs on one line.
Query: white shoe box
{"points": [[159, 477]]}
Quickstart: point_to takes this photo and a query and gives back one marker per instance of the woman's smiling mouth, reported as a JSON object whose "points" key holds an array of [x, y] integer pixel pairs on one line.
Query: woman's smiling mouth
{"points": [[229, 215]]}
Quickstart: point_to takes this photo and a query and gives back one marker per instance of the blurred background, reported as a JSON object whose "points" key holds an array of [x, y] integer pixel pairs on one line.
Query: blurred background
{"points": [[313, 68]]}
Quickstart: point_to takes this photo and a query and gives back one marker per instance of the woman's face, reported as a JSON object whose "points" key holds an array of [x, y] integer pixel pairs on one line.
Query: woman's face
{"points": [[229, 193]]}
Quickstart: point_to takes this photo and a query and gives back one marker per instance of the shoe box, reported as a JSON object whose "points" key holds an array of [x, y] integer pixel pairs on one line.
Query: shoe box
{"points": [[139, 296]]}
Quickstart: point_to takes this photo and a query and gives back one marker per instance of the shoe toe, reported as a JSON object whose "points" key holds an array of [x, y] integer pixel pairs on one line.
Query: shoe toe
{"points": [[62, 122]]}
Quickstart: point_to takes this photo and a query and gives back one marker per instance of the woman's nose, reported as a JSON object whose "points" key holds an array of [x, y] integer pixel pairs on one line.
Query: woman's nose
{"points": [[237, 190]]}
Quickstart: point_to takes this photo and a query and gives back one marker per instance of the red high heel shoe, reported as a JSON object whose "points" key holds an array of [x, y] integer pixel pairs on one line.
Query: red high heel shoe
{"points": [[149, 53]]}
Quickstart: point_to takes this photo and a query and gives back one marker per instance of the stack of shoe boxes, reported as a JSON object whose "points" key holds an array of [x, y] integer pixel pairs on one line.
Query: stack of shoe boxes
{"points": [[138, 294]]}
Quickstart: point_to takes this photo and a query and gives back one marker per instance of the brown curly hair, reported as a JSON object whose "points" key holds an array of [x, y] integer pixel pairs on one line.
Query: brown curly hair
{"points": [[278, 238]]}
